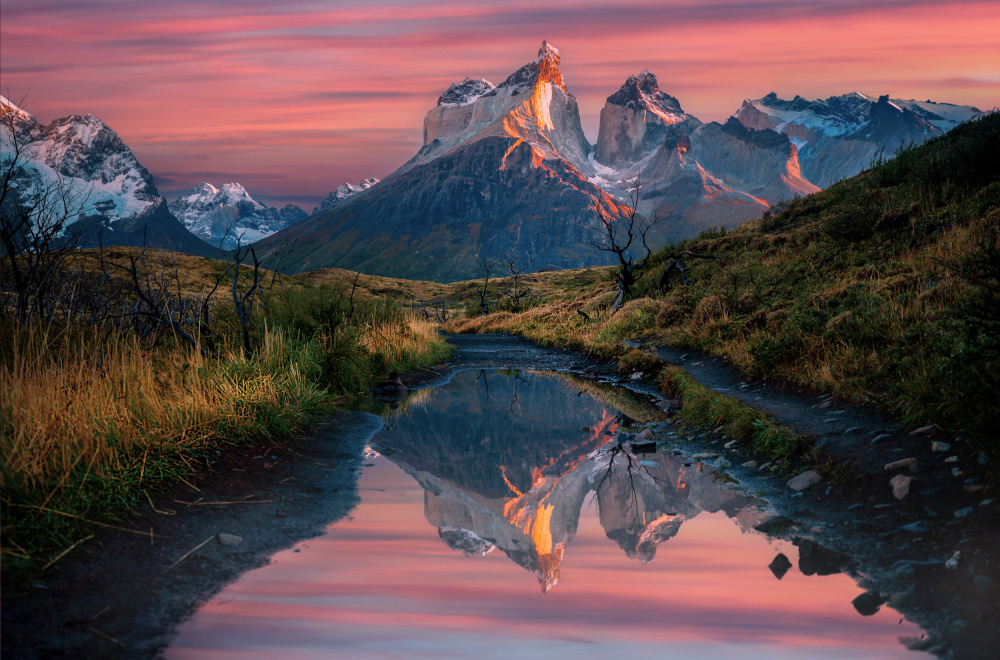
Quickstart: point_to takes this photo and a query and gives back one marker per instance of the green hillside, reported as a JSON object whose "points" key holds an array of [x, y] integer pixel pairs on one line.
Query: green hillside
{"points": [[883, 288]]}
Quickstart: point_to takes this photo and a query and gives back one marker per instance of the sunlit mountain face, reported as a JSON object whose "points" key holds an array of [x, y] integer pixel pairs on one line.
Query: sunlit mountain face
{"points": [[531, 458]]}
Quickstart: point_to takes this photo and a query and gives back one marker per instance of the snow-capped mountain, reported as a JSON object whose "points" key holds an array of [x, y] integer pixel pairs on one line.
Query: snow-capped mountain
{"points": [[228, 215], [837, 137], [692, 174], [344, 191], [113, 196], [507, 167], [502, 168]]}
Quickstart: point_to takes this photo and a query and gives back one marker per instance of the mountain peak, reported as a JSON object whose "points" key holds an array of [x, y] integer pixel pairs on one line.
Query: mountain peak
{"points": [[543, 69], [465, 92], [548, 49], [642, 91]]}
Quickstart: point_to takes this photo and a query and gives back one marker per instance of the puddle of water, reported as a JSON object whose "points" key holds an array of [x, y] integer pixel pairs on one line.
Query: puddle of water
{"points": [[504, 521]]}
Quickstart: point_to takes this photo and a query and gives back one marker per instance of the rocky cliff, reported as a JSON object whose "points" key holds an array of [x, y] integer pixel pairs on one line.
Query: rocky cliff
{"points": [[503, 169]]}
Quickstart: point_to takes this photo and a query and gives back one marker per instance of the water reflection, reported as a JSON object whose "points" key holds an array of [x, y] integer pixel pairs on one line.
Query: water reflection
{"points": [[533, 451], [525, 472]]}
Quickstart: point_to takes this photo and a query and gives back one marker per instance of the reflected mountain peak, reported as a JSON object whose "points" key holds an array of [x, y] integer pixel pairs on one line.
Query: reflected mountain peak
{"points": [[523, 491]]}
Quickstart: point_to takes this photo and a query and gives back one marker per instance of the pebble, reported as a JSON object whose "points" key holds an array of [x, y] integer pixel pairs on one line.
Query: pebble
{"points": [[902, 463], [983, 458], [918, 527], [972, 488], [961, 513], [986, 502], [704, 455], [645, 435], [804, 480], [775, 467], [731, 444], [900, 486], [951, 459], [825, 404], [853, 430], [955, 472], [922, 430], [722, 464], [750, 464], [636, 376], [940, 447], [228, 539], [880, 437], [952, 563], [764, 467]]}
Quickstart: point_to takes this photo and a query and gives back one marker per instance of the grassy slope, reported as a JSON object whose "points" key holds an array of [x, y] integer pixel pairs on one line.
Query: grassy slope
{"points": [[882, 288]]}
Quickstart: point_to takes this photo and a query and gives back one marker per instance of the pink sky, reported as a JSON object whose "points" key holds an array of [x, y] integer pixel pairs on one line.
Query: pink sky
{"points": [[291, 99]]}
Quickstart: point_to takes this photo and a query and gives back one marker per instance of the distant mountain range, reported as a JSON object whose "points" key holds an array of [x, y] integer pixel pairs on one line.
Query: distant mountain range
{"points": [[82, 157], [507, 169], [229, 216]]}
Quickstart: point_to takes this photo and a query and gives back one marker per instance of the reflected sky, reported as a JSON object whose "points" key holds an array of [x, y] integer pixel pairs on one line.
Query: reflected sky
{"points": [[636, 555]]}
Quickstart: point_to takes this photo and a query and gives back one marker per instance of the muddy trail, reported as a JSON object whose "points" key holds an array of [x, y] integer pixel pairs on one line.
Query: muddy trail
{"points": [[932, 556]]}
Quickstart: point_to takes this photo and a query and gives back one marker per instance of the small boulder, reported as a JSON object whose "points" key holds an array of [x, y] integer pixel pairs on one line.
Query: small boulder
{"points": [[880, 437], [780, 565], [902, 463], [228, 539], [804, 480], [868, 603], [900, 486]]}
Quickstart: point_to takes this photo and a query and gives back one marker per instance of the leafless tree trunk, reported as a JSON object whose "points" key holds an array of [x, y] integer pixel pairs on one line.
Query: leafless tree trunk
{"points": [[37, 235], [488, 265], [619, 234]]}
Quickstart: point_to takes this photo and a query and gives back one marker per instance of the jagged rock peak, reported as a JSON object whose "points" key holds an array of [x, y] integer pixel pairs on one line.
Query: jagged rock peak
{"points": [[465, 92], [543, 69], [642, 91]]}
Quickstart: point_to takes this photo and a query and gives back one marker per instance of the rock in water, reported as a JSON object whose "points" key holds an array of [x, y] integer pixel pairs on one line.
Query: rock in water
{"points": [[868, 603], [780, 565], [804, 480]]}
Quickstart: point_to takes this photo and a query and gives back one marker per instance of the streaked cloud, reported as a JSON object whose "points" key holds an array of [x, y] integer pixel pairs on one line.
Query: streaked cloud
{"points": [[337, 91]]}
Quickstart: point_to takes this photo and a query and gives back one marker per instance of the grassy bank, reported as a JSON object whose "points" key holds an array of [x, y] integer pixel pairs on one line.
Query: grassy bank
{"points": [[883, 289], [94, 420]]}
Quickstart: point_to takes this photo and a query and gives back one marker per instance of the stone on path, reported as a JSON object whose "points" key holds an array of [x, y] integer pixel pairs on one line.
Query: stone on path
{"points": [[922, 430], [961, 513], [750, 464], [900, 486], [644, 435], [902, 463], [853, 430], [952, 563], [880, 437], [228, 539], [938, 446], [804, 480], [918, 527]]}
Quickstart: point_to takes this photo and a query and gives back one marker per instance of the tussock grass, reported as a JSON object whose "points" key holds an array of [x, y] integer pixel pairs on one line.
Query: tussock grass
{"points": [[92, 419]]}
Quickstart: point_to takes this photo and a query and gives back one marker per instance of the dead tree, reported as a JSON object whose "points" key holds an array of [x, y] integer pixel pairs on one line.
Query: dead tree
{"points": [[37, 231], [488, 265], [618, 235], [244, 289], [515, 265]]}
